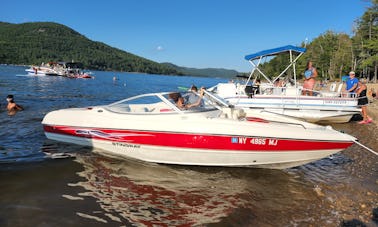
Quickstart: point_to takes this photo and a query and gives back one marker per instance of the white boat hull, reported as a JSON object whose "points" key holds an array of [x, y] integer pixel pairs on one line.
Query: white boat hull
{"points": [[313, 116], [201, 157], [198, 141], [309, 108]]}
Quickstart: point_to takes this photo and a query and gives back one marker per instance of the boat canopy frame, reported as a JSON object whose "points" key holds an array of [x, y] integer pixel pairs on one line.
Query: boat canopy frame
{"points": [[256, 59]]}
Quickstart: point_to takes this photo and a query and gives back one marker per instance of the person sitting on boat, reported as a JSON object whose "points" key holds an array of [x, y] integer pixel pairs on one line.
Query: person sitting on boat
{"points": [[363, 101], [256, 86], [351, 84], [309, 83], [12, 107], [177, 98], [193, 99], [180, 101]]}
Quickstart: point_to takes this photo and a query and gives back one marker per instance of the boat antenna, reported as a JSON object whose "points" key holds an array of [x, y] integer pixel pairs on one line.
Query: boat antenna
{"points": [[306, 41], [369, 149]]}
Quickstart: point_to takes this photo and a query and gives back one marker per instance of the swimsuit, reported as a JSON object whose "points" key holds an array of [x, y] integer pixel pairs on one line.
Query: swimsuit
{"points": [[362, 99]]}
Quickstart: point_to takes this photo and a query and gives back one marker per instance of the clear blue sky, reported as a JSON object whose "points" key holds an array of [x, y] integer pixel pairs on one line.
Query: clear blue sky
{"points": [[193, 33]]}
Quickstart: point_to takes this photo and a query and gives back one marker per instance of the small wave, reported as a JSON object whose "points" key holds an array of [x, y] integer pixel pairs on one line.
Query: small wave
{"points": [[20, 156], [91, 217]]}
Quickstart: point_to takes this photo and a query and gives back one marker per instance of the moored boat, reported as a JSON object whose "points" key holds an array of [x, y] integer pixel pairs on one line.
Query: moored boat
{"points": [[152, 128], [74, 70], [41, 71], [287, 99]]}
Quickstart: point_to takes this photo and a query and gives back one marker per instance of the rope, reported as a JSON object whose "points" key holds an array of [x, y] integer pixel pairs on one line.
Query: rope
{"points": [[371, 150]]}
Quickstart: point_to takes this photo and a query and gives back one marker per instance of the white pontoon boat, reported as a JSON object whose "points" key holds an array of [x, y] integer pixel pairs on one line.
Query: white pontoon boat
{"points": [[327, 106]]}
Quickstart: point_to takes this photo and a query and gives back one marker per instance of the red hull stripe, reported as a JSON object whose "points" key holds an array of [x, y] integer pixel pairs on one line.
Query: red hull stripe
{"points": [[199, 141]]}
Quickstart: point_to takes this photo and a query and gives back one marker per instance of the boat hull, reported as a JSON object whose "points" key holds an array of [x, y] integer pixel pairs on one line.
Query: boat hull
{"points": [[310, 109], [313, 116], [199, 148], [288, 101]]}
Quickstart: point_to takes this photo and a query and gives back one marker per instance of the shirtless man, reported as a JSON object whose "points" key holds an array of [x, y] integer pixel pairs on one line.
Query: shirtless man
{"points": [[12, 107]]}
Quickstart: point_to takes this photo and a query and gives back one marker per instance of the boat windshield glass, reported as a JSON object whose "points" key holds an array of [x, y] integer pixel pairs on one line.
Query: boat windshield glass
{"points": [[162, 102]]}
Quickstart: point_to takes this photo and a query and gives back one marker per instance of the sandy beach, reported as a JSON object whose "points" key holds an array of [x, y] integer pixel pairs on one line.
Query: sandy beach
{"points": [[373, 102]]}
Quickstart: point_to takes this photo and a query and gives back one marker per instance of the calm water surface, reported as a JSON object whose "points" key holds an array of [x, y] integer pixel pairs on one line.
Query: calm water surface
{"points": [[91, 190]]}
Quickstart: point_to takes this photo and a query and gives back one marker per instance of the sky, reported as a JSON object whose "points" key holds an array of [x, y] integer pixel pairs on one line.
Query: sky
{"points": [[193, 33]]}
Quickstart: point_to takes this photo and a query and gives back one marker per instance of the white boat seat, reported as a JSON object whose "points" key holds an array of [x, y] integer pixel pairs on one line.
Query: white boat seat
{"points": [[137, 109], [226, 89], [339, 88], [332, 88]]}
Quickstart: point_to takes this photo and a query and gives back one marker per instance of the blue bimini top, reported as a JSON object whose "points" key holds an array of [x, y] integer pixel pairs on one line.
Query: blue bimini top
{"points": [[274, 51]]}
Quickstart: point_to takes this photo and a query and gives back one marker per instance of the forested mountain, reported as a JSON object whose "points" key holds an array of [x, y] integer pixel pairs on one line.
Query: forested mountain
{"points": [[34, 43], [213, 72], [37, 42]]}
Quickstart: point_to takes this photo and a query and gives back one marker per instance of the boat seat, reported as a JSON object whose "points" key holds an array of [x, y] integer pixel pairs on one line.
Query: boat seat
{"points": [[226, 89], [291, 91], [250, 90], [140, 109], [332, 88], [339, 88]]}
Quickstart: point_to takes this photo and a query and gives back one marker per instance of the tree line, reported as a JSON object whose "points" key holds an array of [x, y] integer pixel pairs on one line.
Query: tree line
{"points": [[335, 54]]}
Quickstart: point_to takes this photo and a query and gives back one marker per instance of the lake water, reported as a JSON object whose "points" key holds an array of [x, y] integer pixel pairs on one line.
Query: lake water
{"points": [[91, 190]]}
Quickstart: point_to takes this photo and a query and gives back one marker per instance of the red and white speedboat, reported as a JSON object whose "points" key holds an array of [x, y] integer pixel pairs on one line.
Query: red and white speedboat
{"points": [[151, 128]]}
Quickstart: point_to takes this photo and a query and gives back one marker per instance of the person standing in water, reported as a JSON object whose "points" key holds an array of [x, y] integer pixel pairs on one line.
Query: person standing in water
{"points": [[12, 107]]}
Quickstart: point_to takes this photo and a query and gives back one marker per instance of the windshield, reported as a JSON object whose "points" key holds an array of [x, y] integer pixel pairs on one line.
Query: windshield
{"points": [[167, 102]]}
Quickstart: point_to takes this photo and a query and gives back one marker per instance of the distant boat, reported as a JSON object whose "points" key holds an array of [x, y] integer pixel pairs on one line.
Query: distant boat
{"points": [[75, 70], [41, 71], [66, 69], [49, 69]]}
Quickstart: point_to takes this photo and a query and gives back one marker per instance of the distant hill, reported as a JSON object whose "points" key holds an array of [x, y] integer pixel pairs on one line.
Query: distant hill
{"points": [[37, 42], [207, 72], [34, 43]]}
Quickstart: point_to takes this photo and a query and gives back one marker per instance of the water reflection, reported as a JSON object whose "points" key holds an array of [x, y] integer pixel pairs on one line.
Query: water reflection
{"points": [[130, 191], [155, 194]]}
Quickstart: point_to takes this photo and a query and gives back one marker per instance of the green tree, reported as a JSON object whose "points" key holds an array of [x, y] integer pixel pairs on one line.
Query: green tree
{"points": [[365, 42]]}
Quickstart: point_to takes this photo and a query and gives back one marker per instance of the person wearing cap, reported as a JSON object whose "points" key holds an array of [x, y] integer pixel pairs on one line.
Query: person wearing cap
{"points": [[351, 83], [12, 107]]}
